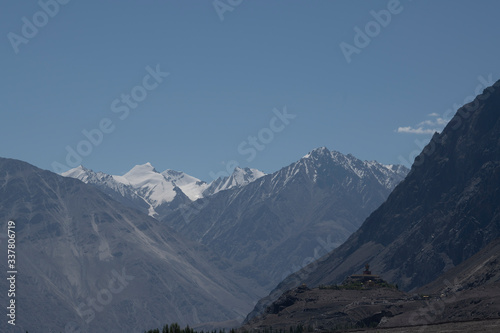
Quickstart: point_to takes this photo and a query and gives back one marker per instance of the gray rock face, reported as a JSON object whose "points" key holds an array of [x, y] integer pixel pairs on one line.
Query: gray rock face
{"points": [[445, 211], [480, 271], [86, 263], [280, 222]]}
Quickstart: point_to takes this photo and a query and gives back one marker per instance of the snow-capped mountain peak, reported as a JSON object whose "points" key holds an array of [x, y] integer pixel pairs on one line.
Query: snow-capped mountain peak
{"points": [[386, 175], [149, 183], [144, 187], [240, 177], [317, 152], [159, 193], [80, 172], [191, 186], [243, 176], [140, 172], [179, 178]]}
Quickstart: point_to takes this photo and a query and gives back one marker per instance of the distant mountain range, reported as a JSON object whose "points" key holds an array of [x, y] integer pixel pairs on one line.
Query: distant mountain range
{"points": [[277, 223], [444, 212], [157, 193], [268, 225], [240, 177]]}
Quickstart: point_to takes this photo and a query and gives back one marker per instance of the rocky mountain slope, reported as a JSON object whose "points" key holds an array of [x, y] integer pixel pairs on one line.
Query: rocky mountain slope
{"points": [[280, 222], [444, 212], [469, 291], [87, 263], [481, 270]]}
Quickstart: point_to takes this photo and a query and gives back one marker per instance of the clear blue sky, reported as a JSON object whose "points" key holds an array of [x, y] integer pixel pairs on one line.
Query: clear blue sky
{"points": [[226, 77]]}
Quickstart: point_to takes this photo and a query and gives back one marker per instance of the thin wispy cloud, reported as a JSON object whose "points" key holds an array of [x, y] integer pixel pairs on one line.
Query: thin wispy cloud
{"points": [[437, 122], [427, 123], [419, 130], [429, 126], [441, 121]]}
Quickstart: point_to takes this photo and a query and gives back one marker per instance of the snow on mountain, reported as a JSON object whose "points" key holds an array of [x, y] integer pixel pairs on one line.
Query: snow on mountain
{"points": [[240, 177], [245, 176], [157, 193], [387, 175], [150, 184], [191, 186], [116, 187], [103, 180], [142, 187], [80, 172]]}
